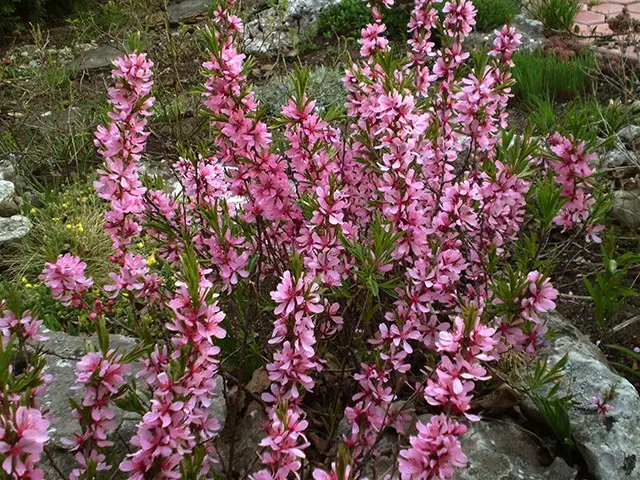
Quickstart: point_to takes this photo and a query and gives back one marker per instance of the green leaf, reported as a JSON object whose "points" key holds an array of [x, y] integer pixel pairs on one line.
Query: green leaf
{"points": [[103, 335], [130, 402], [191, 272], [556, 413], [626, 351]]}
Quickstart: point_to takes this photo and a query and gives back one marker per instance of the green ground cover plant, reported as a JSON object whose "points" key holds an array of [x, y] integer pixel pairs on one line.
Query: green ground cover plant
{"points": [[583, 117], [325, 84], [347, 18]]}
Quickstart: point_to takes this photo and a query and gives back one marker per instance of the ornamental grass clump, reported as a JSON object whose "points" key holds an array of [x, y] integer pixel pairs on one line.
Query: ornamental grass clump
{"points": [[540, 75], [376, 244]]}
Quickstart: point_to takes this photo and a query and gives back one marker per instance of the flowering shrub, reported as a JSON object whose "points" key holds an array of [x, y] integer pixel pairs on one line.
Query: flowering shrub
{"points": [[380, 243]]}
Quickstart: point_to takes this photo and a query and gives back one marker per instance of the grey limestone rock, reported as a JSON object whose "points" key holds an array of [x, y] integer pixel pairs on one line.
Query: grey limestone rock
{"points": [[13, 228]]}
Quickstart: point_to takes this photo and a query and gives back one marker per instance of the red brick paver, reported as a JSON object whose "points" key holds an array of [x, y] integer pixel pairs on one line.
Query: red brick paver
{"points": [[608, 9], [589, 18], [592, 20], [594, 16], [602, 29]]}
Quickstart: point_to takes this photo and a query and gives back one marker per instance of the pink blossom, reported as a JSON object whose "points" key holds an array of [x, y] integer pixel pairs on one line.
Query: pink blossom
{"points": [[435, 451], [540, 297], [506, 43], [601, 405], [372, 41], [66, 279], [22, 439], [26, 327]]}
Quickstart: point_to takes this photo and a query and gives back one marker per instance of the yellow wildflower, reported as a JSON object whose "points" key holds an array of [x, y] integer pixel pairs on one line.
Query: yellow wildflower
{"points": [[151, 260], [34, 210]]}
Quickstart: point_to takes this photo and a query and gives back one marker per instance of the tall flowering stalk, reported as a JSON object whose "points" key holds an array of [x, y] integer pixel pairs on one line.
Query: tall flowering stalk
{"points": [[290, 372], [24, 425], [121, 143], [99, 375], [570, 162], [243, 144], [176, 434]]}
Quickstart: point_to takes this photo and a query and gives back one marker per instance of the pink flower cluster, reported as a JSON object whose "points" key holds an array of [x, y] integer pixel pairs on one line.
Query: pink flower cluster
{"points": [[206, 184], [290, 373], [25, 327], [134, 277], [67, 280], [435, 449], [179, 422], [602, 401], [526, 330], [121, 144], [572, 170], [23, 434], [23, 425], [602, 405], [388, 228], [100, 377]]}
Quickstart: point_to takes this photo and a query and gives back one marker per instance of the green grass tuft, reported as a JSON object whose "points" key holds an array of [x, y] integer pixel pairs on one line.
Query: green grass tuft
{"points": [[556, 14], [68, 221], [494, 13], [541, 75]]}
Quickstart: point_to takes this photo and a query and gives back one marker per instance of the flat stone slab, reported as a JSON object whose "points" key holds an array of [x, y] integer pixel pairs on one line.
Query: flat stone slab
{"points": [[7, 170], [100, 57], [587, 17], [626, 207], [13, 228], [592, 23], [496, 450], [9, 204], [186, 11], [503, 450]]}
